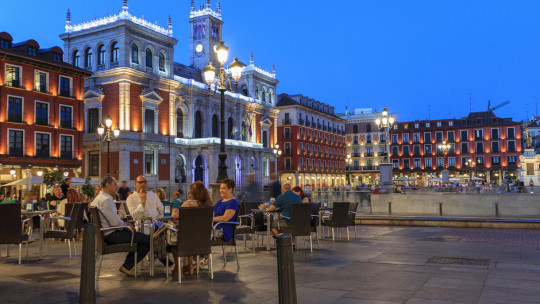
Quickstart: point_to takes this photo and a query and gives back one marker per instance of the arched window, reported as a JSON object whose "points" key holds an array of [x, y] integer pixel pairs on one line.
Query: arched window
{"points": [[198, 125], [257, 93], [88, 58], [215, 126], [244, 90], [355, 129], [270, 97], [114, 52], [148, 58], [161, 62], [76, 58], [230, 126], [263, 95], [180, 171], [368, 128], [179, 124], [134, 53], [101, 55]]}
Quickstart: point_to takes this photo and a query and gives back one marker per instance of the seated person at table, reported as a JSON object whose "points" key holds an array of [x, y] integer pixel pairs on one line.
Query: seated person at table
{"points": [[176, 199], [283, 202], [72, 198], [143, 203], [198, 196], [226, 209], [110, 218], [298, 191], [55, 199]]}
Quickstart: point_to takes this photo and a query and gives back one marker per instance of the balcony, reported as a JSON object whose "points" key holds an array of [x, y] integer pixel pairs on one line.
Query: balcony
{"points": [[287, 152], [368, 154], [355, 154], [307, 124], [301, 121], [319, 126], [286, 121], [15, 152]]}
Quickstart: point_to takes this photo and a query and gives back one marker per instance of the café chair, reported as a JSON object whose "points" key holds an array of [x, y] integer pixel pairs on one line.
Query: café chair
{"points": [[103, 248], [194, 237], [339, 218], [12, 227], [300, 222], [222, 243], [352, 216], [67, 234]]}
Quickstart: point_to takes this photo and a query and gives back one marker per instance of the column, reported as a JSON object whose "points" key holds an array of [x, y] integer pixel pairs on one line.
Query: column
{"points": [[172, 113], [124, 105], [123, 165]]}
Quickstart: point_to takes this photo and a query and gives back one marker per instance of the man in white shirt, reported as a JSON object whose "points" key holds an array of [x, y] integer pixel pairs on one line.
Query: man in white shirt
{"points": [[109, 218], [143, 203]]}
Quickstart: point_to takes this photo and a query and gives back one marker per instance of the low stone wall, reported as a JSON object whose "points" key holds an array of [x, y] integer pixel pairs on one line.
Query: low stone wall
{"points": [[514, 205]]}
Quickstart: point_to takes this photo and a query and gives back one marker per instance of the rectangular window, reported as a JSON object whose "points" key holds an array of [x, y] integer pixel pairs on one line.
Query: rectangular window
{"points": [[452, 149], [450, 136], [406, 151], [149, 163], [478, 134], [439, 123], [440, 162], [511, 133], [66, 147], [395, 151], [65, 117], [395, 163], [511, 160], [427, 137], [13, 76], [394, 139], [40, 82], [42, 113], [428, 163], [416, 149], [496, 160], [406, 164], [480, 161], [416, 125], [149, 121], [15, 143], [287, 134], [32, 51], [42, 145], [494, 133], [4, 44], [416, 137], [65, 86], [479, 147], [417, 163], [451, 162], [287, 148], [265, 139], [93, 164], [405, 138], [287, 163], [57, 57], [427, 150], [450, 123], [464, 163], [464, 148], [428, 124], [438, 137], [464, 135], [15, 108], [93, 120], [494, 147], [511, 146]]}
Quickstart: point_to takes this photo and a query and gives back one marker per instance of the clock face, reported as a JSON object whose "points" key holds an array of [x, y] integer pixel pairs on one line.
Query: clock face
{"points": [[199, 48]]}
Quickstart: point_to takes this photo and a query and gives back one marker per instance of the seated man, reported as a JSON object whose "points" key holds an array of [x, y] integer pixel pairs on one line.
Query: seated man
{"points": [[143, 203], [109, 218], [284, 202]]}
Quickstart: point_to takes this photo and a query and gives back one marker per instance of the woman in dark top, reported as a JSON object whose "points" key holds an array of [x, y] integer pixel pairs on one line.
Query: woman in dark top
{"points": [[226, 209], [298, 191]]}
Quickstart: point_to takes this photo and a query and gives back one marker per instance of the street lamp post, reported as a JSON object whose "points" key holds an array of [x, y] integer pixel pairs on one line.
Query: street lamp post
{"points": [[349, 162], [277, 154], [109, 133], [444, 147], [470, 164], [384, 123], [222, 85]]}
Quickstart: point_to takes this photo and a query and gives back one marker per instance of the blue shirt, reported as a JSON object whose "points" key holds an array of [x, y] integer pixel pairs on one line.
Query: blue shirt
{"points": [[285, 200], [219, 210]]}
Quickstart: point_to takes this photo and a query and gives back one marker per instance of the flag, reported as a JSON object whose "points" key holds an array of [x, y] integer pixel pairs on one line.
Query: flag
{"points": [[250, 130], [234, 129], [243, 130]]}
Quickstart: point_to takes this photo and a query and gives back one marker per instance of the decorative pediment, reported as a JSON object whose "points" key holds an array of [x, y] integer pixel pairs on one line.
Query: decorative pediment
{"points": [[266, 122], [93, 97], [151, 96]]}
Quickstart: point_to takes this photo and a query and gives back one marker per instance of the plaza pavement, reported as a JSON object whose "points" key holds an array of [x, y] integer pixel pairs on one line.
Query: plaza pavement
{"points": [[383, 265]]}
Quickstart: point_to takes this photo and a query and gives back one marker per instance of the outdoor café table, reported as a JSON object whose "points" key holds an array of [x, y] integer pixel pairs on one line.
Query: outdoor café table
{"points": [[268, 214], [153, 220], [42, 227], [321, 211]]}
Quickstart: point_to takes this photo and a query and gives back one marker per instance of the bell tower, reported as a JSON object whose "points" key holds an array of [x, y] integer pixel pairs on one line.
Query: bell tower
{"points": [[205, 34]]}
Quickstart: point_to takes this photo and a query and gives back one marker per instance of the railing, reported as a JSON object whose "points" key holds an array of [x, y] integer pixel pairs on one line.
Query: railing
{"points": [[286, 121], [356, 154]]}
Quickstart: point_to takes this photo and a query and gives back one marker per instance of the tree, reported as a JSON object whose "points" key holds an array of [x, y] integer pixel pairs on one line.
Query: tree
{"points": [[52, 177], [87, 188]]}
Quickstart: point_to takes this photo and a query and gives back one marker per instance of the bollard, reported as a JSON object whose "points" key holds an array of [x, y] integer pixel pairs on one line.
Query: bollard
{"points": [[285, 259], [87, 292]]}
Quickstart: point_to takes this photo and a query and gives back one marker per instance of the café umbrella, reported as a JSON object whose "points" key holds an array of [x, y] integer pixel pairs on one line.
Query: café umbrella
{"points": [[28, 181]]}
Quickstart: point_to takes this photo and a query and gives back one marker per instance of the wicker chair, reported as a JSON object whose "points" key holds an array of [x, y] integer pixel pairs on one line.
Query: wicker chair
{"points": [[103, 248], [300, 222], [222, 243], [352, 216], [67, 234], [194, 236], [339, 218], [12, 227]]}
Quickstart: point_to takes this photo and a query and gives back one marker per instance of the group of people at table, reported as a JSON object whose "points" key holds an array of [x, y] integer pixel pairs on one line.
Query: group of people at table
{"points": [[146, 204]]}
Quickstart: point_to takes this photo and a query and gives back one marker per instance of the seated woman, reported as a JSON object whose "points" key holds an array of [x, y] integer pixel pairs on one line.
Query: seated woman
{"points": [[226, 209], [298, 191], [72, 198], [198, 196]]}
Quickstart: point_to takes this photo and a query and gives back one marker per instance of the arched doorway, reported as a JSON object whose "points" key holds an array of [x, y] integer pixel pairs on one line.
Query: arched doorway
{"points": [[199, 169], [198, 125], [238, 172]]}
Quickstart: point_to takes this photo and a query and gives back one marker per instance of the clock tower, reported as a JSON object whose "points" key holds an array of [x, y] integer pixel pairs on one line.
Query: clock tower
{"points": [[205, 34]]}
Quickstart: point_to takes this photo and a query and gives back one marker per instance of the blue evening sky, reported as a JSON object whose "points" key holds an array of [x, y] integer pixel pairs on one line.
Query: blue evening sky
{"points": [[408, 55]]}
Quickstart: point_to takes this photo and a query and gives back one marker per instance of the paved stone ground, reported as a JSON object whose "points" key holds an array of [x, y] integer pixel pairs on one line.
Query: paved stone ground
{"points": [[383, 265]]}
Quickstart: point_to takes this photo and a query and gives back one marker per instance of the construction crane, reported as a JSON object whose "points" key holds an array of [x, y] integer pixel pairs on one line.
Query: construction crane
{"points": [[490, 108]]}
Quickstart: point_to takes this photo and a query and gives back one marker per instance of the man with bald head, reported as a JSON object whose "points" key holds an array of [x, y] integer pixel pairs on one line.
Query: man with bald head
{"points": [[284, 202], [143, 203]]}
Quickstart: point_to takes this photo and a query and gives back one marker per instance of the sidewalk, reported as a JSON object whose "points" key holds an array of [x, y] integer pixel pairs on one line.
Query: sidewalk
{"points": [[383, 265]]}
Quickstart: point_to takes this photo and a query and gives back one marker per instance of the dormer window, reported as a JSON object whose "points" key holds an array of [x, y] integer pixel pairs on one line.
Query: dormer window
{"points": [[439, 123], [32, 51], [428, 124], [57, 57], [5, 44]]}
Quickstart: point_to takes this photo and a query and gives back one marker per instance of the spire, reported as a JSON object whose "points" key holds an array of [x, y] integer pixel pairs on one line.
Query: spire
{"points": [[192, 5], [251, 59], [125, 6], [219, 7], [273, 68], [208, 4], [169, 22], [68, 17]]}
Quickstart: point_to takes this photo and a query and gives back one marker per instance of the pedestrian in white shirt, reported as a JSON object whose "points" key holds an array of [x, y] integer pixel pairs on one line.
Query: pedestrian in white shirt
{"points": [[109, 218], [143, 203]]}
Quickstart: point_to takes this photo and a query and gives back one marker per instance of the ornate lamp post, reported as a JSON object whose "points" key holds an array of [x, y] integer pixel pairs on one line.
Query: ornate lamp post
{"points": [[349, 162], [277, 154], [385, 123], [470, 164], [444, 147], [222, 84], [109, 134]]}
